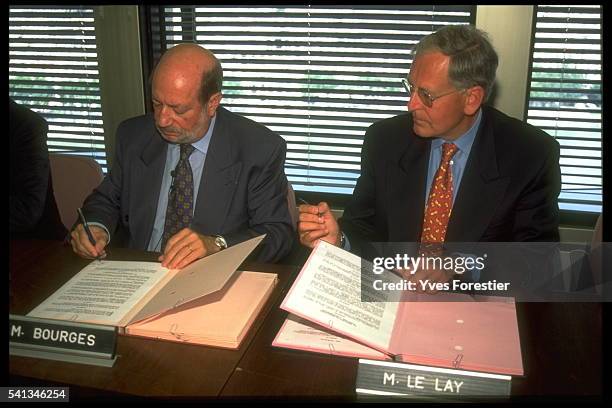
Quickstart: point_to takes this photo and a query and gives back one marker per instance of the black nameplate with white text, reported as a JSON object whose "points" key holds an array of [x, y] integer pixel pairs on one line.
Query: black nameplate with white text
{"points": [[415, 381], [62, 340]]}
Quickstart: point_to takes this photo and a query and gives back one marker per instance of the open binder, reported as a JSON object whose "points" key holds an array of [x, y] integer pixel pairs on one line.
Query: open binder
{"points": [[205, 285], [451, 330], [220, 319]]}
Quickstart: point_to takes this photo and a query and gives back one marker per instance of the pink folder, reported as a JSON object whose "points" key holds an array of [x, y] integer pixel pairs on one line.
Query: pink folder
{"points": [[452, 330], [221, 319], [478, 335]]}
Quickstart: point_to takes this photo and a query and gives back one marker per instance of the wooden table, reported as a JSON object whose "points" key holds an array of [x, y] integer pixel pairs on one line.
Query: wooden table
{"points": [[561, 345], [144, 367]]}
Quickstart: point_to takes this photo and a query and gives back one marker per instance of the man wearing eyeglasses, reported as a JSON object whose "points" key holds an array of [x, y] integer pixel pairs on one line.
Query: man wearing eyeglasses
{"points": [[451, 169]]}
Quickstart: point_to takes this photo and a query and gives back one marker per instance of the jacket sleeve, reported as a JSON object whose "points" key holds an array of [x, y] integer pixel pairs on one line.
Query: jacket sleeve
{"points": [[103, 204], [269, 210], [537, 210], [30, 177], [358, 219]]}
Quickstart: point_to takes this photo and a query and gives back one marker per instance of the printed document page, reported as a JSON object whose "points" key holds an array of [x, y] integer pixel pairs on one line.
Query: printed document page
{"points": [[328, 292], [300, 334], [103, 292]]}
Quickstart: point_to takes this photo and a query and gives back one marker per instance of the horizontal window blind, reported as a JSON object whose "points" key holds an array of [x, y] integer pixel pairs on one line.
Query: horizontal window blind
{"points": [[565, 97], [53, 69], [318, 75]]}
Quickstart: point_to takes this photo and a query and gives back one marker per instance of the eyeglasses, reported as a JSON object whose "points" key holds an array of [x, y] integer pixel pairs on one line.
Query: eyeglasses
{"points": [[425, 96]]}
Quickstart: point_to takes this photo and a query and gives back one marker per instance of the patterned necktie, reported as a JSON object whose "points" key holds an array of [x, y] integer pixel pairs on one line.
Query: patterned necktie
{"points": [[180, 204], [440, 200]]}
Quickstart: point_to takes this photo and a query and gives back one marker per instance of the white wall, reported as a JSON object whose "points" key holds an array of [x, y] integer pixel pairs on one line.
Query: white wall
{"points": [[118, 43], [509, 28]]}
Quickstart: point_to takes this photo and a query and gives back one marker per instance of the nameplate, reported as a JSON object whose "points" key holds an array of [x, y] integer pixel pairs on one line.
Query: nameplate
{"points": [[415, 381], [62, 340]]}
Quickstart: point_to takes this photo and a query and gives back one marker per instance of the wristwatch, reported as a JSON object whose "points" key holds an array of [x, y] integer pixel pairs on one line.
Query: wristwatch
{"points": [[220, 242]]}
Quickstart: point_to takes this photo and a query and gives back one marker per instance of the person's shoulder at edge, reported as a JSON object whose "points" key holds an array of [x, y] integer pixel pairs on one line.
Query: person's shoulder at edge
{"points": [[23, 117]]}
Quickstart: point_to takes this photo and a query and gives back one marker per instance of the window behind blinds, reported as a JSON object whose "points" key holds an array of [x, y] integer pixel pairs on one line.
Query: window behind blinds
{"points": [[564, 97], [53, 69], [318, 76]]}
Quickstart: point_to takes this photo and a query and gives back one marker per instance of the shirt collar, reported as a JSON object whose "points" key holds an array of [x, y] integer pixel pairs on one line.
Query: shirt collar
{"points": [[203, 143], [465, 141]]}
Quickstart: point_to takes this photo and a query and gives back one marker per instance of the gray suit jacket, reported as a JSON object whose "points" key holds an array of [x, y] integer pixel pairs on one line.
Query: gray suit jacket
{"points": [[242, 193]]}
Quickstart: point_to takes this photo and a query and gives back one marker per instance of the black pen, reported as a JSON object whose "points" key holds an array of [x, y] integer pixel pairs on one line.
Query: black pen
{"points": [[307, 203], [87, 230], [320, 214]]}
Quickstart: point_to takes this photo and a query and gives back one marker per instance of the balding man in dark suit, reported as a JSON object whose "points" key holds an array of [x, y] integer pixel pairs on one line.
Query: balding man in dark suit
{"points": [[227, 172]]}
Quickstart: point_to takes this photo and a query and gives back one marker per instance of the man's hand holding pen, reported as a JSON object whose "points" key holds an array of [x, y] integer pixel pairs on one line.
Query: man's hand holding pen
{"points": [[317, 222], [87, 240], [83, 247]]}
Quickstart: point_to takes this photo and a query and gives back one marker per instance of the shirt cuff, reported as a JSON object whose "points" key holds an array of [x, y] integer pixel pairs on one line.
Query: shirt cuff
{"points": [[347, 245], [97, 224], [470, 274]]}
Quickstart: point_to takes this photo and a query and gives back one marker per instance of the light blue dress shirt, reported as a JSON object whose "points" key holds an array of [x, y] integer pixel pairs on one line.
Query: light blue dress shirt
{"points": [[459, 160], [196, 160]]}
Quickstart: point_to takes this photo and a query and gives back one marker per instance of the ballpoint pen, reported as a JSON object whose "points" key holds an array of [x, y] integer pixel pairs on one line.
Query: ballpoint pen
{"points": [[320, 214], [87, 230]]}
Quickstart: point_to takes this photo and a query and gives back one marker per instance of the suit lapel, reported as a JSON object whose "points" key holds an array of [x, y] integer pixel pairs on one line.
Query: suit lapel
{"points": [[407, 190], [151, 167], [481, 190], [219, 179]]}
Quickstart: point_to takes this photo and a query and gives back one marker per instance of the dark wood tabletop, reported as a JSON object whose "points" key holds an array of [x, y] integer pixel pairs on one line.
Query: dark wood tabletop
{"points": [[144, 367], [561, 346]]}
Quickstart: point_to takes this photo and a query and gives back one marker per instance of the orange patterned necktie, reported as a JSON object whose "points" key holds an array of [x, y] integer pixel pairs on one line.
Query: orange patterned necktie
{"points": [[440, 200]]}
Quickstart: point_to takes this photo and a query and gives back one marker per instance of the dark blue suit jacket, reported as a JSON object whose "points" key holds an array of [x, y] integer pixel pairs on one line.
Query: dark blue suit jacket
{"points": [[242, 193], [33, 212], [508, 191]]}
